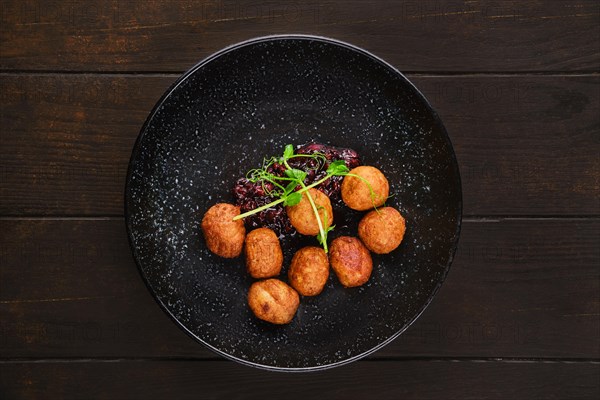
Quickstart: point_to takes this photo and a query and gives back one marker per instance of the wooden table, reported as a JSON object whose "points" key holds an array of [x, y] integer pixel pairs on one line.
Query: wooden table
{"points": [[517, 86]]}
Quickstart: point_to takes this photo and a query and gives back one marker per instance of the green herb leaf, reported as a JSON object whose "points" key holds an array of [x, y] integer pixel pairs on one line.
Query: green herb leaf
{"points": [[295, 174], [288, 151], [292, 199], [283, 187], [337, 167], [290, 188], [320, 238]]}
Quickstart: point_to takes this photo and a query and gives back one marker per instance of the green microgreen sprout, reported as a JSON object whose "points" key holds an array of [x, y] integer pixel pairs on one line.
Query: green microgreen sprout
{"points": [[284, 187], [300, 176]]}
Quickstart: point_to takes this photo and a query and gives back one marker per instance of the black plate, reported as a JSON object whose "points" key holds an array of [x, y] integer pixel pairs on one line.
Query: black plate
{"points": [[247, 102]]}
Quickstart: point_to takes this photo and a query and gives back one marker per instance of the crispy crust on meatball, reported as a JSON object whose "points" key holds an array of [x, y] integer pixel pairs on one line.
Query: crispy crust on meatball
{"points": [[273, 301], [382, 230], [223, 236], [309, 271], [263, 253], [351, 261], [357, 194], [303, 217]]}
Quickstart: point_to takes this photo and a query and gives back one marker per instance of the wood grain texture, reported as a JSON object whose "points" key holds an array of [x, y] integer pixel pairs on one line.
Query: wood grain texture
{"points": [[361, 380], [430, 35], [517, 86], [517, 288], [525, 145]]}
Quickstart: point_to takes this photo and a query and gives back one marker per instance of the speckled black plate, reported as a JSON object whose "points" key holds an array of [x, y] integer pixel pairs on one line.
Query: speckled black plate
{"points": [[247, 102]]}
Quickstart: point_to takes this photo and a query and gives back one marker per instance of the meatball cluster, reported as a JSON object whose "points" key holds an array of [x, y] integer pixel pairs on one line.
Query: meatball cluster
{"points": [[351, 261], [309, 271], [224, 236], [303, 217], [365, 187], [273, 301], [264, 257], [380, 231]]}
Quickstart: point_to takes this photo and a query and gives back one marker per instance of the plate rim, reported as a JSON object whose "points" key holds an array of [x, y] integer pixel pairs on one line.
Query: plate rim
{"points": [[256, 40]]}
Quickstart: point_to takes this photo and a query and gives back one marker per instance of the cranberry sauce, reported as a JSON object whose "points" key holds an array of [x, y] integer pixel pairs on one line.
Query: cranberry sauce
{"points": [[250, 195]]}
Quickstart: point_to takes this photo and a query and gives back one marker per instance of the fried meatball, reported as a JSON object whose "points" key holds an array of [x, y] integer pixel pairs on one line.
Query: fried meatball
{"points": [[382, 230], [303, 217], [223, 235], [351, 261], [263, 253], [357, 194], [309, 271], [273, 301]]}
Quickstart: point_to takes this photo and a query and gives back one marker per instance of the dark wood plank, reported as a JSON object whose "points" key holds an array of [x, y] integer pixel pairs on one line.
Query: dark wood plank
{"points": [[361, 380], [518, 288], [526, 145], [66, 140], [173, 35]]}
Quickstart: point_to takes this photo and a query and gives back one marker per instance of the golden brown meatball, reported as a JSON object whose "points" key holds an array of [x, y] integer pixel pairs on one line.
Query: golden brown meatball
{"points": [[382, 230], [302, 215], [223, 235], [263, 253], [273, 301], [309, 271], [351, 261], [357, 194]]}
